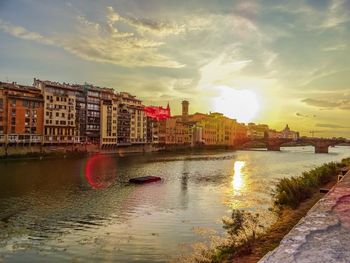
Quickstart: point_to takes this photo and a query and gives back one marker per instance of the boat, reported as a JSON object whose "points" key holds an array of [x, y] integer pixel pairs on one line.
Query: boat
{"points": [[145, 179]]}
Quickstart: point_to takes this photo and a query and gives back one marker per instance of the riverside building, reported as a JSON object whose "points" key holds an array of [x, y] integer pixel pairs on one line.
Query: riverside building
{"points": [[138, 118], [21, 114], [109, 119], [59, 112]]}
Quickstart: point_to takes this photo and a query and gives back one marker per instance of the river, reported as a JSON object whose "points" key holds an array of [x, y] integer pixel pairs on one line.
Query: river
{"points": [[83, 210]]}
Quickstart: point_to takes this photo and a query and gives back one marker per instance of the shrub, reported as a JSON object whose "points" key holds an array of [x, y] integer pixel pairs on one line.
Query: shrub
{"points": [[292, 191]]}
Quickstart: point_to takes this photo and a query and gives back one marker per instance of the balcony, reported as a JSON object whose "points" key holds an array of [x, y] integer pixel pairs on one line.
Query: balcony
{"points": [[22, 138], [61, 139]]}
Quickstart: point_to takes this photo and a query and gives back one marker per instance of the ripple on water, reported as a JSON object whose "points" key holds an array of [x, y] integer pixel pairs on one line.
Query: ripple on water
{"points": [[50, 213]]}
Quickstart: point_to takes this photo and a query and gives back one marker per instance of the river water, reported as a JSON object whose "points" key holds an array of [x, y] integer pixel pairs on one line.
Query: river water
{"points": [[83, 210]]}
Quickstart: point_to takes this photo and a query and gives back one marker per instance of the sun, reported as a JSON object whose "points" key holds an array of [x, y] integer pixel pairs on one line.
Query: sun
{"points": [[242, 105]]}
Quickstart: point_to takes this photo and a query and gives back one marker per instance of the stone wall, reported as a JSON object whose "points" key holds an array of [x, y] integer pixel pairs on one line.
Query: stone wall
{"points": [[323, 235]]}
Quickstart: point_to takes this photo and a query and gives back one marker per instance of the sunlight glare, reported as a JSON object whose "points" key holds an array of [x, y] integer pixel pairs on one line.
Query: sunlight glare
{"points": [[242, 105], [237, 181]]}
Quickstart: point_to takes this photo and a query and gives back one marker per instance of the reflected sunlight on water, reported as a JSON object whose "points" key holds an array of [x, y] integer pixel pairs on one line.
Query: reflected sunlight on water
{"points": [[238, 180]]}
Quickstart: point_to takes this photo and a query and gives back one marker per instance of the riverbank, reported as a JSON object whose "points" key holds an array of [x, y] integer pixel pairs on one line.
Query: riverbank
{"points": [[289, 213], [287, 219]]}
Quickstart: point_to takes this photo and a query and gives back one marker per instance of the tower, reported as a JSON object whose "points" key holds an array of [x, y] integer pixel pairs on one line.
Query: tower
{"points": [[185, 105]]}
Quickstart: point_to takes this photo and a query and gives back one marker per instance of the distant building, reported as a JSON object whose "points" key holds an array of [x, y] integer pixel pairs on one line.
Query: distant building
{"points": [[203, 129], [257, 131], [286, 133]]}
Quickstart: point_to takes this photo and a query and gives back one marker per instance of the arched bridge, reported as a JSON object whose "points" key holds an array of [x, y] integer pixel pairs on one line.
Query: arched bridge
{"points": [[321, 145]]}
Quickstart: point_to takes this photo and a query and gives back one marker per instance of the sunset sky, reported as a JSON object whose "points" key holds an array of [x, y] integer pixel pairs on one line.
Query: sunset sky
{"points": [[273, 62]]}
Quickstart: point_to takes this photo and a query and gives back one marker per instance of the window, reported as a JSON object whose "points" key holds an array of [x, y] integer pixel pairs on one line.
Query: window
{"points": [[13, 121], [26, 103], [13, 102], [13, 129], [1, 103], [13, 112], [57, 114]]}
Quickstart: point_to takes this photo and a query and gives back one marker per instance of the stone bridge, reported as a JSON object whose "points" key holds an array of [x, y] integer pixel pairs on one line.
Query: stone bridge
{"points": [[321, 145]]}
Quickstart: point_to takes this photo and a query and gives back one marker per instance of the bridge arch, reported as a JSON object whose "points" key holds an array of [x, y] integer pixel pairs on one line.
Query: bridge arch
{"points": [[320, 145]]}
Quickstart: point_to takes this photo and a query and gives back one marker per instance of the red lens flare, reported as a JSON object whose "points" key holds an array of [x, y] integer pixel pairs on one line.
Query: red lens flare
{"points": [[158, 113], [100, 171]]}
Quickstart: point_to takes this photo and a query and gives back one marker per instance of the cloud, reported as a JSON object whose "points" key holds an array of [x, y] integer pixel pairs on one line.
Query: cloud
{"points": [[320, 103], [21, 32], [104, 44], [333, 126], [343, 103], [298, 114], [334, 15], [338, 47]]}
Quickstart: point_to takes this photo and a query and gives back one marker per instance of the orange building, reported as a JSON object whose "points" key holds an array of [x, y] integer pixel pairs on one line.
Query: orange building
{"points": [[178, 131], [21, 114]]}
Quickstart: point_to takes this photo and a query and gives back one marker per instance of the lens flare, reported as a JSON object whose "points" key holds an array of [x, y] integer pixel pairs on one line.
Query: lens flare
{"points": [[100, 171]]}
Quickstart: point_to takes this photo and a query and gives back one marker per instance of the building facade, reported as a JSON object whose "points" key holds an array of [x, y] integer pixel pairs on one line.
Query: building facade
{"points": [[109, 119], [138, 118], [59, 112], [21, 114]]}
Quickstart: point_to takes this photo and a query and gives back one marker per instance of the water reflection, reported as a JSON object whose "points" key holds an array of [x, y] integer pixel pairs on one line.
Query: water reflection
{"points": [[237, 181], [100, 171]]}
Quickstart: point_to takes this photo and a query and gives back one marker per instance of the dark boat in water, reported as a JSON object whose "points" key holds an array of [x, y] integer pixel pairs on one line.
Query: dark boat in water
{"points": [[144, 179]]}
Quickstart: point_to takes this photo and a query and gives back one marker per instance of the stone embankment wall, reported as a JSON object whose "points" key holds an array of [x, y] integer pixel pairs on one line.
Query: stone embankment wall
{"points": [[19, 151], [323, 235], [37, 150]]}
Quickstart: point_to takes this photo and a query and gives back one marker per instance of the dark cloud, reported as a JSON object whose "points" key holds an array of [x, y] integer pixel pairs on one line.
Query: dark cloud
{"points": [[298, 114], [320, 103], [333, 126], [341, 103]]}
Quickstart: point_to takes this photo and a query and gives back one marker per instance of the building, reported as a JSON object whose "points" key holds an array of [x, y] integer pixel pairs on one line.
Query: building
{"points": [[3, 114], [123, 124], [138, 118], [109, 119], [286, 133], [155, 115], [21, 114], [93, 111], [80, 112], [59, 112], [257, 131]]}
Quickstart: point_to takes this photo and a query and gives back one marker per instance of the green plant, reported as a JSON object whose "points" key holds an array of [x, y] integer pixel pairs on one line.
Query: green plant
{"points": [[292, 191]]}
